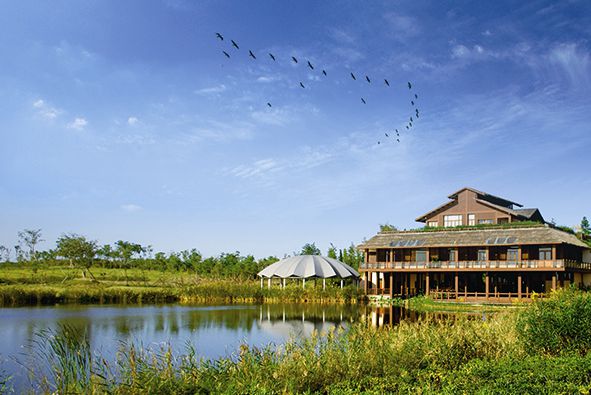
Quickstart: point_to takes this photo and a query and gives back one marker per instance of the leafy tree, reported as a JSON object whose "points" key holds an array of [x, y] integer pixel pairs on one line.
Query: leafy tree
{"points": [[351, 256], [310, 249], [5, 253], [332, 252], [30, 238], [78, 251], [125, 251], [387, 228], [585, 227]]}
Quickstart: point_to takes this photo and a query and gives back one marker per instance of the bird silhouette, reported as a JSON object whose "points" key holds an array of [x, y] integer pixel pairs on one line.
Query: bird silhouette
{"points": [[363, 101], [409, 85], [219, 36], [412, 103], [310, 65], [227, 54], [410, 119], [379, 142], [368, 80], [406, 127], [417, 114], [416, 96], [272, 57], [397, 134], [386, 134], [294, 59], [387, 83], [302, 85], [269, 104], [353, 76], [398, 140], [251, 54], [324, 72], [234, 44]]}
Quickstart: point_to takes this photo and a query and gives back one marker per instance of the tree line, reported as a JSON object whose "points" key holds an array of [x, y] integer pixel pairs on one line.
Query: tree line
{"points": [[79, 251]]}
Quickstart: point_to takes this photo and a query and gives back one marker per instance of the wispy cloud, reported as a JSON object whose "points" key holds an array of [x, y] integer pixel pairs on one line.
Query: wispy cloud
{"points": [[212, 90], [402, 26], [45, 110], [78, 123], [131, 208], [574, 61], [132, 121]]}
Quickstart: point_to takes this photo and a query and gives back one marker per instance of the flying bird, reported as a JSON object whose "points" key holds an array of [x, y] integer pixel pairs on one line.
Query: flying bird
{"points": [[397, 132], [406, 127], [409, 85], [272, 57], [412, 103], [324, 72], [368, 80], [302, 85], [294, 59], [310, 65], [386, 134], [234, 44], [363, 101], [219, 36], [251, 54], [398, 140], [353, 76], [387, 83], [416, 96], [227, 54], [269, 104], [410, 119], [379, 142]]}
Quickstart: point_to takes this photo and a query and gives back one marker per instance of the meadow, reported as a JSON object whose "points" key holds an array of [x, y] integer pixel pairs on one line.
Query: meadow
{"points": [[541, 349], [50, 284]]}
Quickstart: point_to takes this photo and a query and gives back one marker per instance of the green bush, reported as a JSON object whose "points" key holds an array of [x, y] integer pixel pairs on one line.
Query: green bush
{"points": [[561, 324]]}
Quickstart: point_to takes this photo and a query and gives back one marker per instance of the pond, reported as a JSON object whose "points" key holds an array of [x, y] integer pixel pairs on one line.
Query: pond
{"points": [[214, 331]]}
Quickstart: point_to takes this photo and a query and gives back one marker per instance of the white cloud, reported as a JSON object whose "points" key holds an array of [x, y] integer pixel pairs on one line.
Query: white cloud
{"points": [[574, 62], [402, 26], [45, 110], [212, 90], [131, 208], [132, 121], [78, 124]]}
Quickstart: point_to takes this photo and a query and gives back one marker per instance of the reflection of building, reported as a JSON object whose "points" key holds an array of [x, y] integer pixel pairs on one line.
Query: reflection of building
{"points": [[475, 245]]}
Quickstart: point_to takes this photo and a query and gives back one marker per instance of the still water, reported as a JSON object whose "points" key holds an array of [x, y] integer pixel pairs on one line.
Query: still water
{"points": [[214, 331]]}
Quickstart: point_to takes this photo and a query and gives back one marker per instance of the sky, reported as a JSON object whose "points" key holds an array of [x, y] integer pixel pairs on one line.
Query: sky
{"points": [[125, 120]]}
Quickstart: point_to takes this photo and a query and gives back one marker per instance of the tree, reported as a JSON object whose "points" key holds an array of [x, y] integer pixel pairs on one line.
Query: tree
{"points": [[332, 251], [30, 238], [78, 250], [387, 228], [5, 254], [125, 251], [310, 249], [585, 227]]}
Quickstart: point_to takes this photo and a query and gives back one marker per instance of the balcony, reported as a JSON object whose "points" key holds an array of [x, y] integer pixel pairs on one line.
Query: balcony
{"points": [[557, 264]]}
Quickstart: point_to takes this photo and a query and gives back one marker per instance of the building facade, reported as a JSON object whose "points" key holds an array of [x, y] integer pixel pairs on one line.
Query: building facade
{"points": [[476, 245]]}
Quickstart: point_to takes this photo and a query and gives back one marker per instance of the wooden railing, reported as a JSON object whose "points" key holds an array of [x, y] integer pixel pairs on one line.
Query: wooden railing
{"points": [[527, 264], [451, 295]]}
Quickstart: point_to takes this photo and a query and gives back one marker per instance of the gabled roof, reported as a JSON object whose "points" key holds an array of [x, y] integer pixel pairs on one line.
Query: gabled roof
{"points": [[482, 197], [486, 196], [537, 234]]}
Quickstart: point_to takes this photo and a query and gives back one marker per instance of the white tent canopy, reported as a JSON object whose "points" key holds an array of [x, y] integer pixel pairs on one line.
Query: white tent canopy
{"points": [[308, 266]]}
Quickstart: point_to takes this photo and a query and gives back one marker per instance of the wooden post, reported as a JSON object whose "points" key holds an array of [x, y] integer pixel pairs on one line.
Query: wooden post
{"points": [[365, 286], [392, 285], [323, 283], [427, 284], [262, 283], [457, 284], [304, 284], [283, 283], [486, 285], [466, 291], [553, 280], [519, 286], [269, 282], [341, 283]]}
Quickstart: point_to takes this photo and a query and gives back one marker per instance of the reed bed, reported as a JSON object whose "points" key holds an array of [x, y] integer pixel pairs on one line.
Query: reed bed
{"points": [[465, 355]]}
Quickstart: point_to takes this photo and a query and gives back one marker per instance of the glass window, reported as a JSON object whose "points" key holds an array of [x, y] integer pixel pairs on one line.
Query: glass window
{"points": [[482, 255], [421, 256], [471, 219], [485, 221], [546, 253], [512, 254], [452, 255], [432, 224], [503, 221], [452, 220]]}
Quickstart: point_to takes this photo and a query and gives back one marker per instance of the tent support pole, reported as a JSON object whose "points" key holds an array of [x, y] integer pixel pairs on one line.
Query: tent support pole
{"points": [[261, 283], [269, 283], [303, 283]]}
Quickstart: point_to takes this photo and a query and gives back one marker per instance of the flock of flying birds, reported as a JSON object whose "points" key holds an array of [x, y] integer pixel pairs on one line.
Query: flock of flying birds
{"points": [[414, 96]]}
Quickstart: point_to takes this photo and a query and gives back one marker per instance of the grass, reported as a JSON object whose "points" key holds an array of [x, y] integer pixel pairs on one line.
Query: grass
{"points": [[426, 304], [50, 285], [464, 355]]}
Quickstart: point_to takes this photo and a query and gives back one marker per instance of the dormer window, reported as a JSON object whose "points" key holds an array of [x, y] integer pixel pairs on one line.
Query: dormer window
{"points": [[452, 220]]}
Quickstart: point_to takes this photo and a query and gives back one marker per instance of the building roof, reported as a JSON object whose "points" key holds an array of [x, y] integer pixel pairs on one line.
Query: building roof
{"points": [[524, 213], [485, 196], [496, 236], [305, 266]]}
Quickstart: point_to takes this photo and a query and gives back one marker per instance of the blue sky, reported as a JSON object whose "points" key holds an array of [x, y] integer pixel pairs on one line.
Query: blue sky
{"points": [[124, 120]]}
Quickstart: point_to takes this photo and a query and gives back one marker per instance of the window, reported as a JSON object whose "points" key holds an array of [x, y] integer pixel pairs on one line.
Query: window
{"points": [[453, 255], [546, 253], [471, 219], [452, 220], [432, 224], [512, 254], [482, 255], [421, 256], [485, 221], [503, 221]]}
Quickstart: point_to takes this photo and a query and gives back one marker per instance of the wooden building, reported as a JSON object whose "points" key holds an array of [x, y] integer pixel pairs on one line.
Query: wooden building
{"points": [[476, 245]]}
